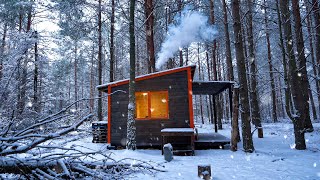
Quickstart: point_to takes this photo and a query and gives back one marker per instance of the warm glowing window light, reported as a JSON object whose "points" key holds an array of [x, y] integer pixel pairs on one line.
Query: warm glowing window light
{"points": [[152, 105]]}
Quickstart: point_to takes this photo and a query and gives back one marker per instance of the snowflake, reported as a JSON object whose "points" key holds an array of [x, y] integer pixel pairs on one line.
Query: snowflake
{"points": [[29, 104]]}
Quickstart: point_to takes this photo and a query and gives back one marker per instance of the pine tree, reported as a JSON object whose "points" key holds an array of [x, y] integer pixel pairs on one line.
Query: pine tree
{"points": [[131, 128], [243, 89]]}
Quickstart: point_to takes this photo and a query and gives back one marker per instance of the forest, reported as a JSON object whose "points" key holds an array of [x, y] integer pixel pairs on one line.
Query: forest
{"points": [[54, 54]]}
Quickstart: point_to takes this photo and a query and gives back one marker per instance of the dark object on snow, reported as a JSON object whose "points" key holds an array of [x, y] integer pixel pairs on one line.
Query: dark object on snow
{"points": [[111, 148], [168, 152], [204, 172], [99, 131]]}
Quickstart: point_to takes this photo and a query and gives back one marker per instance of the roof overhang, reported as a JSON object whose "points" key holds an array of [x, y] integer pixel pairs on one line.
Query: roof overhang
{"points": [[210, 87]]}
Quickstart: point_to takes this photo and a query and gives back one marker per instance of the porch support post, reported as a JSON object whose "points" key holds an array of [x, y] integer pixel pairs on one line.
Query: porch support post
{"points": [[230, 102], [215, 113]]}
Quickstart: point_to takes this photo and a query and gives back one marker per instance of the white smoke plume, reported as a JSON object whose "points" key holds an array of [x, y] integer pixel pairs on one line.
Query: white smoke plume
{"points": [[192, 27]]}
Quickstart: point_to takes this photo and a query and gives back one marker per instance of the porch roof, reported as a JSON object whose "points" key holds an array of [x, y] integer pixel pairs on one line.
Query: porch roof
{"points": [[210, 87]]}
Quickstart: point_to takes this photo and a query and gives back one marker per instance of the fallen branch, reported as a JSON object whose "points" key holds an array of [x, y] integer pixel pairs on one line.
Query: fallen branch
{"points": [[25, 148]]}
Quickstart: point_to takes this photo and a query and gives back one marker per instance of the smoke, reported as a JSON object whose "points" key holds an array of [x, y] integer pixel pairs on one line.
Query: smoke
{"points": [[192, 27]]}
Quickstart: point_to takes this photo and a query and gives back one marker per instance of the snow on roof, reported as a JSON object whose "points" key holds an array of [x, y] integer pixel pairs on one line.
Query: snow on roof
{"points": [[177, 130], [100, 122], [143, 76], [223, 82]]}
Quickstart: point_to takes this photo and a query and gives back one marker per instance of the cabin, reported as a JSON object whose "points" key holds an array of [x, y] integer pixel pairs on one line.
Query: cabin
{"points": [[163, 102]]}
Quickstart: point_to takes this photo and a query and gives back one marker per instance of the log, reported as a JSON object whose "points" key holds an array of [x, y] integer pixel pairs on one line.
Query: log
{"points": [[204, 172]]}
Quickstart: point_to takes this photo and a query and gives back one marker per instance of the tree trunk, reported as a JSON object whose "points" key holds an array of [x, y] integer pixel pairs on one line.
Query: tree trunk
{"points": [[284, 63], [75, 65], [220, 102], [35, 77], [313, 107], [210, 113], [298, 116], [228, 48], [200, 97], [100, 115], [302, 65], [92, 89], [312, 54], [272, 84], [23, 79], [111, 75], [256, 119], [131, 128], [281, 104], [243, 90], [235, 135], [148, 8], [214, 63], [3, 45], [316, 15], [180, 49]]}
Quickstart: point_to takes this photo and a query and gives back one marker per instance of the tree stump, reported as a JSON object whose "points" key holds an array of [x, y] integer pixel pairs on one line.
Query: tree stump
{"points": [[204, 172], [168, 152]]}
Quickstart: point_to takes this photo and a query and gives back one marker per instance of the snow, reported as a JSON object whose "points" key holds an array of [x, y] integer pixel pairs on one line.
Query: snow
{"points": [[200, 82], [272, 159], [169, 146], [177, 130], [100, 122]]}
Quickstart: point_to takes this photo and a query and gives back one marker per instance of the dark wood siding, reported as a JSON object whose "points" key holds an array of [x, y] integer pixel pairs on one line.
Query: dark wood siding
{"points": [[148, 131]]}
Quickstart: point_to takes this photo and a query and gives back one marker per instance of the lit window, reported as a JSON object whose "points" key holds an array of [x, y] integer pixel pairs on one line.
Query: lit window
{"points": [[142, 105], [152, 105]]}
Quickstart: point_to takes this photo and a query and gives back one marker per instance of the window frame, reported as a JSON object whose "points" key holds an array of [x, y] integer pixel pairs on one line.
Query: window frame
{"points": [[149, 106]]}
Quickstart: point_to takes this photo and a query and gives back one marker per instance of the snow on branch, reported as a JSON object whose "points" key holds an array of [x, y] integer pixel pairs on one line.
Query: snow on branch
{"points": [[25, 148]]}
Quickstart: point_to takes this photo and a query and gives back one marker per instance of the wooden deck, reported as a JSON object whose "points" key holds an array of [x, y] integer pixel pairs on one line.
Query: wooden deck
{"points": [[210, 141]]}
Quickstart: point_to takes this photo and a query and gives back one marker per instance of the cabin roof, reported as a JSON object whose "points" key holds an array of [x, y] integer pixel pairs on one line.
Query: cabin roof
{"points": [[104, 87], [198, 87], [210, 87]]}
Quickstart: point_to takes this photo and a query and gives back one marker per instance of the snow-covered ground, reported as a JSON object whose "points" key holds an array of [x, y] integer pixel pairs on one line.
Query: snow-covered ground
{"points": [[274, 158]]}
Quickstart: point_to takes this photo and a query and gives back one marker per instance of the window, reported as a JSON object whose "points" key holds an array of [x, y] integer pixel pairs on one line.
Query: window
{"points": [[152, 105]]}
